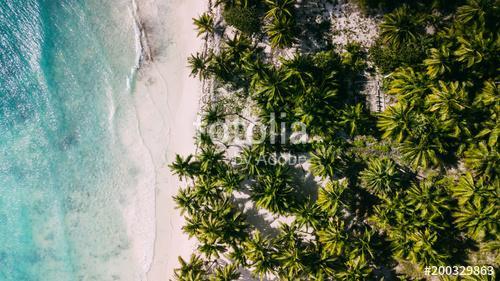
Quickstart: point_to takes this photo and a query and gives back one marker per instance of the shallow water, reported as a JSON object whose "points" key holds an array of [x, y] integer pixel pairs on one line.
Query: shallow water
{"points": [[65, 71]]}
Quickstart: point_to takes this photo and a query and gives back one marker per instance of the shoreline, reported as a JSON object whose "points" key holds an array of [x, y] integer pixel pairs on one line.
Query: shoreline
{"points": [[144, 55], [167, 102]]}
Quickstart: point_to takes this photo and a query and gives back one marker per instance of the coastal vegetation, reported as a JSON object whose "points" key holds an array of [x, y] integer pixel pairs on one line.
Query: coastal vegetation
{"points": [[381, 195]]}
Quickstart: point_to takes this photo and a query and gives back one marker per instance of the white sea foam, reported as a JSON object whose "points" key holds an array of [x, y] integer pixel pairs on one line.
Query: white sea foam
{"points": [[137, 34]]}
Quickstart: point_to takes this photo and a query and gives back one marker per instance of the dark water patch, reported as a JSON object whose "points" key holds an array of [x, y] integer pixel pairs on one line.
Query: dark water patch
{"points": [[69, 141]]}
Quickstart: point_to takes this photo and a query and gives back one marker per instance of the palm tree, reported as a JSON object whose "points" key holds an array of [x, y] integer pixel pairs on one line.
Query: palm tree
{"points": [[309, 215], [210, 160], [272, 89], [439, 62], [281, 32], [204, 24], [291, 262], [279, 8], [192, 270], [484, 160], [482, 10], [199, 65], [409, 85], [417, 245], [488, 97], [424, 248], [332, 198], [251, 160], [205, 188], [396, 121], [300, 67], [192, 225], [477, 211], [237, 47], [355, 119], [469, 189], [316, 108], [184, 168], [356, 268], [487, 101], [214, 114], [254, 68], [423, 153], [211, 228], [447, 99], [222, 66], [186, 201], [236, 229], [230, 180], [211, 248], [478, 218], [474, 50], [290, 252], [204, 139], [429, 141], [329, 160], [394, 212], [237, 254], [401, 27], [364, 242], [431, 201], [289, 235], [334, 238], [226, 273], [260, 254], [382, 176], [324, 266], [274, 190]]}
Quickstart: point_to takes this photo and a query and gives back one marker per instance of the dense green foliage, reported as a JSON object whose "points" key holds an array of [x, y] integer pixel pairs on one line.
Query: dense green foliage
{"points": [[415, 185], [372, 6], [245, 19]]}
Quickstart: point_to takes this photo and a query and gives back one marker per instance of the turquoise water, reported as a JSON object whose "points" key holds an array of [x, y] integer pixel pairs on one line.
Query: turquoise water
{"points": [[64, 72]]}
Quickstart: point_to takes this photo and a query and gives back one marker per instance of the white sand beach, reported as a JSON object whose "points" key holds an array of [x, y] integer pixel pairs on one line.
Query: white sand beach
{"points": [[167, 102]]}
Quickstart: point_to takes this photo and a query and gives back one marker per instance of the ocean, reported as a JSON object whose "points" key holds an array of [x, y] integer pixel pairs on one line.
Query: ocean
{"points": [[67, 68]]}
